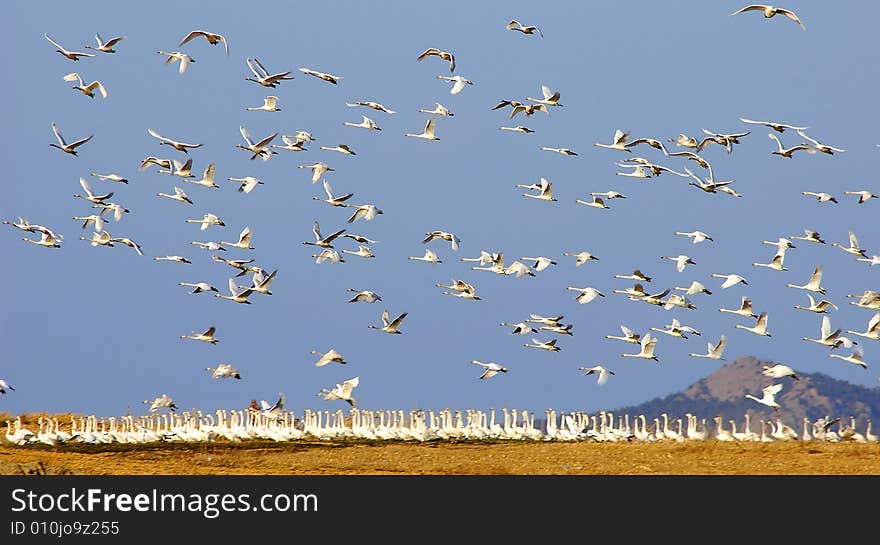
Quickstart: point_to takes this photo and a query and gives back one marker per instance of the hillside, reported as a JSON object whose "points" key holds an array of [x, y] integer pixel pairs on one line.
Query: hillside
{"points": [[723, 392]]}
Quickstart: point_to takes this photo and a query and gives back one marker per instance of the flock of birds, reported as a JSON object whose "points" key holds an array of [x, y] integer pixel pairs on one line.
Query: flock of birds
{"points": [[272, 420]]}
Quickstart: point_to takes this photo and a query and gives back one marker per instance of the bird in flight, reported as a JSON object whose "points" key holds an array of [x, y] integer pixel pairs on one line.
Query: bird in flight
{"points": [[321, 75], [490, 369], [459, 84], [768, 396], [88, 90], [105, 47], [602, 373], [212, 38], [72, 55], [173, 56], [445, 55], [263, 77], [63, 145], [770, 11], [525, 29]]}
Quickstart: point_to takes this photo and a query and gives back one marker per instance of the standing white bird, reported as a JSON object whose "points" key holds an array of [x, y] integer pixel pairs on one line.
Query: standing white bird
{"points": [[177, 56], [72, 55], [714, 351], [779, 371], [770, 11], [389, 325], [602, 373], [428, 133], [458, 83], [490, 369], [768, 396], [212, 37]]}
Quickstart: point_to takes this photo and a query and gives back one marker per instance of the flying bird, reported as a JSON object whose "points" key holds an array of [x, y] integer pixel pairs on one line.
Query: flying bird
{"points": [[263, 77], [63, 145], [458, 83], [770, 11], [87, 90], [768, 396], [490, 369], [211, 37], [105, 47], [445, 55], [602, 374], [177, 56], [72, 55], [321, 75], [530, 29]]}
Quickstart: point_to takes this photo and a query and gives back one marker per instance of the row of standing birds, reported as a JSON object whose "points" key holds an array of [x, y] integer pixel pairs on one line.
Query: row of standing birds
{"points": [[421, 425]]}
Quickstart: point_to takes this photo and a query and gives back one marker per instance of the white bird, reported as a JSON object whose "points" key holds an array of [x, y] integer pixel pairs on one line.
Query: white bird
{"points": [[321, 75], [776, 263], [618, 142], [760, 327], [528, 110], [212, 37], [518, 269], [608, 194], [445, 55], [259, 149], [178, 195], [102, 238], [47, 239], [458, 83], [714, 351], [768, 396], [444, 235], [581, 257], [366, 123], [181, 169], [490, 369], [64, 146], [681, 261], [332, 199], [105, 47], [525, 29], [270, 104], [428, 133], [208, 220], [175, 258], [72, 55], [5, 386], [855, 358], [341, 148], [540, 262], [597, 202], [206, 336], [520, 328], [89, 195], [819, 146], [246, 184], [291, 143], [370, 104], [647, 344], [820, 307], [548, 345], [177, 56], [331, 356], [224, 370], [110, 177], [629, 336], [179, 146], [94, 219], [821, 196], [128, 242], [854, 248], [238, 294], [586, 295], [263, 77], [318, 169], [341, 391], [695, 287], [675, 329], [813, 284], [810, 236], [872, 331], [863, 195], [544, 188], [207, 179], [389, 325], [602, 373], [365, 212], [262, 281], [873, 260], [697, 236], [244, 240], [462, 289], [518, 128], [362, 251], [429, 256], [546, 320], [365, 296], [730, 279], [778, 127], [117, 209], [320, 240], [328, 255], [636, 275], [779, 371], [561, 151], [439, 109], [770, 11], [199, 287], [88, 90], [161, 402]]}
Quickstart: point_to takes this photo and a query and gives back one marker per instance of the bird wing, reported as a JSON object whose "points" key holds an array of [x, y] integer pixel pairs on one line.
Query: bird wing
{"points": [[773, 389], [246, 135], [386, 318], [330, 237], [253, 64], [429, 127], [825, 331], [265, 141], [58, 134], [56, 44], [816, 277], [85, 185], [853, 241], [190, 36], [791, 15], [459, 85], [750, 7]]}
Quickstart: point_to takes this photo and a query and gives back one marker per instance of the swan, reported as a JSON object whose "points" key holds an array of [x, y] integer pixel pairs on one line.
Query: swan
{"points": [[389, 325], [47, 239], [869, 299], [342, 391], [528, 110], [4, 385], [647, 344], [205, 336], [263, 77], [176, 258], [770, 11], [821, 196], [21, 436], [291, 143], [768, 397], [863, 195], [490, 369], [602, 374], [153, 160], [174, 56], [63, 145], [89, 195], [695, 287], [328, 255], [520, 328], [697, 236], [708, 185], [212, 37], [179, 146], [72, 55], [341, 148], [444, 235], [362, 251], [179, 195], [244, 240], [370, 104], [88, 90], [597, 202], [94, 219], [776, 263], [365, 296], [367, 123], [518, 269], [331, 356], [629, 336], [430, 257], [259, 149], [318, 169], [459, 83], [618, 142], [320, 240], [105, 47], [459, 286], [261, 281], [810, 236], [824, 148], [548, 345], [681, 261], [778, 127], [820, 307], [872, 331], [853, 248], [439, 109], [238, 294], [525, 29], [636, 275], [117, 209], [518, 128], [730, 280], [207, 179], [714, 351], [243, 265], [813, 283], [445, 55], [544, 188], [585, 295], [427, 133], [581, 257], [270, 104], [365, 212], [199, 287], [558, 329], [779, 371], [760, 327], [561, 151], [321, 75], [675, 329], [161, 402]]}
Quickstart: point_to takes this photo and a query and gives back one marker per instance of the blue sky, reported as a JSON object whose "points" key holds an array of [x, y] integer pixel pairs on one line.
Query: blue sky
{"points": [[97, 330]]}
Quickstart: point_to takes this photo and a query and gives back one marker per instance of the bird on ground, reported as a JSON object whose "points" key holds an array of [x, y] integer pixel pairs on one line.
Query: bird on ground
{"points": [[439, 109], [259, 149], [427, 134], [820, 307], [389, 325], [318, 169], [332, 199], [776, 263], [445, 55], [525, 29], [768, 396], [177, 56], [618, 142], [519, 328], [855, 358], [810, 236], [602, 374], [246, 184], [199, 287], [89, 195], [72, 55], [321, 75], [490, 369], [629, 336], [179, 146], [760, 327], [270, 104], [5, 386], [813, 284], [94, 219], [647, 344], [341, 391], [238, 294], [821, 196], [331, 356], [429, 256], [854, 248], [681, 261], [64, 146], [540, 262], [730, 280], [597, 202], [365, 212], [208, 220], [778, 127], [105, 47], [789, 152], [329, 255], [443, 235], [364, 296], [697, 236], [544, 188], [178, 195], [779, 371], [224, 370], [175, 258], [548, 345], [714, 351], [367, 123], [458, 83], [244, 240], [872, 331], [205, 336], [561, 151], [263, 77], [695, 287], [322, 241], [161, 402], [370, 104], [586, 295], [110, 177], [87, 90], [770, 11], [819, 146], [863, 195], [181, 169], [212, 37]]}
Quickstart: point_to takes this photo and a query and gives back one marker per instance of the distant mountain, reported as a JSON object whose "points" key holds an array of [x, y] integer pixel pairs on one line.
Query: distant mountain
{"points": [[813, 396]]}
